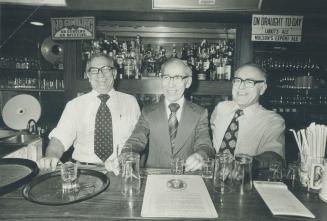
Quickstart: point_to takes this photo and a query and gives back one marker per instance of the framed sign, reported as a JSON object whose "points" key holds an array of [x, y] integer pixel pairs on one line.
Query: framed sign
{"points": [[73, 28], [280, 28]]}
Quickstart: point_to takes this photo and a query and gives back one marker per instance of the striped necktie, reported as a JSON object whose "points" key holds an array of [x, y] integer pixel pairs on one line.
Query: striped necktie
{"points": [[173, 123], [230, 138], [103, 141]]}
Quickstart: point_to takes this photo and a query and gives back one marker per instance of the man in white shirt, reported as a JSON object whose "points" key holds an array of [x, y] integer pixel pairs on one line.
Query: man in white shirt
{"points": [[173, 127], [77, 124], [260, 132]]}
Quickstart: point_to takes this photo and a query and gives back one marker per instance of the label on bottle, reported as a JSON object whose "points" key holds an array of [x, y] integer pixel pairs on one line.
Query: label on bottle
{"points": [[228, 70], [206, 65]]}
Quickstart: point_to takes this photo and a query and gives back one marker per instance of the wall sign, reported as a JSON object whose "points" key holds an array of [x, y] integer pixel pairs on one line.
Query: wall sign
{"points": [[281, 28], [73, 28]]}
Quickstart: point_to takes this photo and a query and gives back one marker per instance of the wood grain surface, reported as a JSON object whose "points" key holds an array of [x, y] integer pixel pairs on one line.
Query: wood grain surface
{"points": [[112, 205]]}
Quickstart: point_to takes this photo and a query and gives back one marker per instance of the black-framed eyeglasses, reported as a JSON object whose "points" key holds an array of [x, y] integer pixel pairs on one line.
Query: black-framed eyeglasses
{"points": [[104, 70], [176, 79], [248, 83]]}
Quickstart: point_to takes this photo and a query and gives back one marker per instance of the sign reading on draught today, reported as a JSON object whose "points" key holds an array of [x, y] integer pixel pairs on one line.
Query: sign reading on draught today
{"points": [[73, 28], [281, 28]]}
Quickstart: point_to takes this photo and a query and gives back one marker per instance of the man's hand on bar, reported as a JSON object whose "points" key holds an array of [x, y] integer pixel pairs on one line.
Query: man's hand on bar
{"points": [[47, 163], [194, 162]]}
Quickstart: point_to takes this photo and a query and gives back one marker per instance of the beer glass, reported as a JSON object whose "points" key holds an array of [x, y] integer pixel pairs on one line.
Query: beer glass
{"points": [[222, 172], [130, 177], [242, 173]]}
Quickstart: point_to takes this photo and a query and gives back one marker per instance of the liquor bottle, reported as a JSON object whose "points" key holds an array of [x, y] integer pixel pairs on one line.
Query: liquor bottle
{"points": [[157, 61], [174, 52], [129, 69], [184, 53], [162, 59], [114, 45], [148, 63]]}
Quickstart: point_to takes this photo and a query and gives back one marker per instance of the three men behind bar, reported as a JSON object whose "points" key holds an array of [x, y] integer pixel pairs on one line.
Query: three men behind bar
{"points": [[173, 127]]}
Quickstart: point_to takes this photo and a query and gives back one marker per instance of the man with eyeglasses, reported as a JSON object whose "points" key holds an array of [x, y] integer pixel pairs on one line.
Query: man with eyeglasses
{"points": [[243, 126], [78, 123], [174, 127]]}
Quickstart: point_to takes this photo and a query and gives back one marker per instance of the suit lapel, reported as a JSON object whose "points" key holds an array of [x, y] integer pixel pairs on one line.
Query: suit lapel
{"points": [[185, 126]]}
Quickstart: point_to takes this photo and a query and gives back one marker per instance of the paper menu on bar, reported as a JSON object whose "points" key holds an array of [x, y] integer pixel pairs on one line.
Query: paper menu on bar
{"points": [[280, 200], [177, 196]]}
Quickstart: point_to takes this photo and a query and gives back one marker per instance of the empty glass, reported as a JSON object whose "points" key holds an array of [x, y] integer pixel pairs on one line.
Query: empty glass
{"points": [[208, 168], [69, 176], [130, 177], [222, 172], [275, 172], [242, 173], [177, 166]]}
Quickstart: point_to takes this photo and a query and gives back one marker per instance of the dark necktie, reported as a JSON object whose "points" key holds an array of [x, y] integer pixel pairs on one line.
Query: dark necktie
{"points": [[173, 123], [230, 137], [103, 146]]}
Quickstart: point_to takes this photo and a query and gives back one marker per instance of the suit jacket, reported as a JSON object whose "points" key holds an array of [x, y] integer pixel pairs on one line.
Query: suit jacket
{"points": [[152, 129]]}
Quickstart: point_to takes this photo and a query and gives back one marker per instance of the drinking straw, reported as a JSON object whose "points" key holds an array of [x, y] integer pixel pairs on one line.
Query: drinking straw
{"points": [[305, 142], [297, 140]]}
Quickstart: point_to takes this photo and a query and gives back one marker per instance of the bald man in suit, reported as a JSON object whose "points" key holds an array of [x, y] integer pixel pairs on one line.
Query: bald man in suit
{"points": [[191, 140]]}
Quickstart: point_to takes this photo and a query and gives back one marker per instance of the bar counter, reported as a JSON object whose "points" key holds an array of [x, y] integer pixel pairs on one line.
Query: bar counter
{"points": [[112, 205]]}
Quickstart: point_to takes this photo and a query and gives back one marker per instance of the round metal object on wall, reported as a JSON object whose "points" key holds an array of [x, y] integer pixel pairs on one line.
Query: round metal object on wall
{"points": [[52, 51], [19, 110]]}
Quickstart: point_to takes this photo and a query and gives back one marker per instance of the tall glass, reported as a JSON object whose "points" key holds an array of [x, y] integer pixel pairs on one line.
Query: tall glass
{"points": [[242, 173], [130, 177], [222, 172]]}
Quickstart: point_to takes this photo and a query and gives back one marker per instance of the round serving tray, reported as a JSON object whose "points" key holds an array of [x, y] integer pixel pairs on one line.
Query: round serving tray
{"points": [[15, 172], [47, 189]]}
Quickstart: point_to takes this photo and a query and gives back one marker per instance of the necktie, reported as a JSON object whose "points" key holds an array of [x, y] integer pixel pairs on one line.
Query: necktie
{"points": [[173, 123], [103, 146], [230, 138]]}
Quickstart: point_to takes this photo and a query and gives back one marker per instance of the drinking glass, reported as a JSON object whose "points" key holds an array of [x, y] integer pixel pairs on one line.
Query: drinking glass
{"points": [[69, 176], [222, 172], [292, 173], [275, 172], [130, 177], [208, 168], [242, 173], [177, 166]]}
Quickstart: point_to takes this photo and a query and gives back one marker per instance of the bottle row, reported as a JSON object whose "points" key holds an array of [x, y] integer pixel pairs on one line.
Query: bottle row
{"points": [[19, 62], [31, 83], [295, 65], [297, 82], [135, 60], [297, 99]]}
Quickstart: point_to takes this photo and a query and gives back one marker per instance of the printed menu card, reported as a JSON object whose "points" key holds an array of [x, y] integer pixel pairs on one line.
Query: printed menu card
{"points": [[280, 200], [177, 196]]}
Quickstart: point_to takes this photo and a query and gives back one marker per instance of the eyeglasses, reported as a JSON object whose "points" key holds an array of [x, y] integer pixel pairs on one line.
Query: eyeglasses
{"points": [[104, 70], [177, 79], [248, 83]]}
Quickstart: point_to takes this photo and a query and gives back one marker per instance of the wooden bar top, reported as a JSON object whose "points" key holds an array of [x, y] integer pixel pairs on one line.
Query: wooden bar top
{"points": [[112, 205]]}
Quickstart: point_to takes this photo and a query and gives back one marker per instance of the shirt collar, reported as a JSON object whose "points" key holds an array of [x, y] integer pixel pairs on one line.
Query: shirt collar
{"points": [[180, 102], [250, 110], [111, 92]]}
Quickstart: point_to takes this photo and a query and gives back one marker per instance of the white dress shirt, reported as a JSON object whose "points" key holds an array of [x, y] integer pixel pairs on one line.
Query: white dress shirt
{"points": [[260, 130], [77, 122]]}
